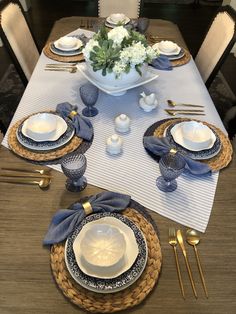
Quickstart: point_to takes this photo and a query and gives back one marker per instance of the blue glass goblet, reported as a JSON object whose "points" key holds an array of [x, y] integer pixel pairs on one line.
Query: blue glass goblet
{"points": [[142, 25], [74, 166], [171, 166], [89, 95]]}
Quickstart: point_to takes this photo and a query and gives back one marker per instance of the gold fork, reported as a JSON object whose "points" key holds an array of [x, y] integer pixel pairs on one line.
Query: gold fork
{"points": [[173, 242]]}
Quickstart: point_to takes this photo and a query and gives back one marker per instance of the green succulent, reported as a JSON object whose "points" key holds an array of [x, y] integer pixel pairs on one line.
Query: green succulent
{"points": [[104, 56]]}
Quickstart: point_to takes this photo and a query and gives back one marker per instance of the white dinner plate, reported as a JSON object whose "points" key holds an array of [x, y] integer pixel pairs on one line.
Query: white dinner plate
{"points": [[76, 47], [130, 254], [172, 53], [147, 77], [61, 129], [124, 22], [108, 285]]}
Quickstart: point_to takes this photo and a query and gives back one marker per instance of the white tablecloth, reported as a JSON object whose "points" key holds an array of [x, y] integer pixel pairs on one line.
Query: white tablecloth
{"points": [[134, 172]]}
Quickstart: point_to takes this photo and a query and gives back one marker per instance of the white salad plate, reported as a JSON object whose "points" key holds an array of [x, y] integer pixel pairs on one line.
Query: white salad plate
{"points": [[78, 45], [107, 285], [130, 255], [61, 127], [193, 154], [147, 77], [172, 53], [125, 21]]}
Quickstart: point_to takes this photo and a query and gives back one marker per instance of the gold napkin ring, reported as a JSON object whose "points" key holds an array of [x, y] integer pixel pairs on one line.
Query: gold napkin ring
{"points": [[173, 151], [72, 114], [87, 208]]}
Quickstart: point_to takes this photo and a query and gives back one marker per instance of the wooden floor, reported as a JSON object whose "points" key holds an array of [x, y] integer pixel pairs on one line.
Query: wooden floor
{"points": [[191, 19]]}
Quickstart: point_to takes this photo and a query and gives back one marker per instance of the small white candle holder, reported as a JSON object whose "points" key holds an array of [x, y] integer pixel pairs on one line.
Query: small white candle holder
{"points": [[122, 123], [114, 144]]}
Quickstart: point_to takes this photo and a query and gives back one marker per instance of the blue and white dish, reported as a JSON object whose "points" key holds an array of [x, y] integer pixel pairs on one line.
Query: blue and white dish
{"points": [[175, 52], [60, 52], [125, 20], [178, 56], [111, 285], [46, 145], [196, 155]]}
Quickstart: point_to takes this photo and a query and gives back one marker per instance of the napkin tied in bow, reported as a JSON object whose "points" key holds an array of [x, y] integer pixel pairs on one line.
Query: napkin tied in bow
{"points": [[65, 220], [83, 127], [161, 146]]}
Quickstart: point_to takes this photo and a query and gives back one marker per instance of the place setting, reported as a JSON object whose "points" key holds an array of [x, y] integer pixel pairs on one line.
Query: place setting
{"points": [[175, 54], [106, 250], [48, 136], [66, 49], [186, 145]]}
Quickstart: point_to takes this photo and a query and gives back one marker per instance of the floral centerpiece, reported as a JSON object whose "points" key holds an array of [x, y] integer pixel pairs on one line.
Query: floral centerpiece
{"points": [[118, 56]]}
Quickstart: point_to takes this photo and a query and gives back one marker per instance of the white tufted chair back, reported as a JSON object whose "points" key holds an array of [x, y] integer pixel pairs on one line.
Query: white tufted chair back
{"points": [[130, 8], [17, 37], [217, 44]]}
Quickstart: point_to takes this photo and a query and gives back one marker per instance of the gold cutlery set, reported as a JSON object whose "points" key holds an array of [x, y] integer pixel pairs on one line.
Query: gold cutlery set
{"points": [[193, 239], [68, 67], [40, 177], [185, 110]]}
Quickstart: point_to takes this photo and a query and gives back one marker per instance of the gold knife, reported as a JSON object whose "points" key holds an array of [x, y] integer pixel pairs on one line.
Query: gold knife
{"points": [[181, 243]]}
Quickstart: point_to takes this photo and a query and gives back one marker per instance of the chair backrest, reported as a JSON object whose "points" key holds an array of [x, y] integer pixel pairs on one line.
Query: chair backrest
{"points": [[130, 8], [17, 38], [217, 44]]}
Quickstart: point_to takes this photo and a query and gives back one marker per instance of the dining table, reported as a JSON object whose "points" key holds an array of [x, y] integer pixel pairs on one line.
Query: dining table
{"points": [[27, 284]]}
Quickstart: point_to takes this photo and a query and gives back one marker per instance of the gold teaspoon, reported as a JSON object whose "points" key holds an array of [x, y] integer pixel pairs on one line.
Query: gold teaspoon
{"points": [[47, 172], [171, 103], [43, 183], [193, 239]]}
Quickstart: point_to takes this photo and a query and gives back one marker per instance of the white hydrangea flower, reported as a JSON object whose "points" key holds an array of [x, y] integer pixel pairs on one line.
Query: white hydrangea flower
{"points": [[151, 53], [89, 47], [117, 34], [119, 68], [135, 54]]}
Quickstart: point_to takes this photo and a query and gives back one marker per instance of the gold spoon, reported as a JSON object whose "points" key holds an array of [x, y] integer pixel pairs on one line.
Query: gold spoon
{"points": [[193, 239], [171, 103], [69, 69], [43, 183], [174, 113], [46, 172]]}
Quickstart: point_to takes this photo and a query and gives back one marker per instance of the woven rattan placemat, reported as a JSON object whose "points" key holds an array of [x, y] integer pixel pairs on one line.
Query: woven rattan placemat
{"points": [[220, 161], [56, 57], [113, 302], [184, 60], [21, 151]]}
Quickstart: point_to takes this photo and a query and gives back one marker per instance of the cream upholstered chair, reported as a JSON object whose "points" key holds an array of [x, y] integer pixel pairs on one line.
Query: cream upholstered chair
{"points": [[130, 8], [217, 44], [18, 39]]}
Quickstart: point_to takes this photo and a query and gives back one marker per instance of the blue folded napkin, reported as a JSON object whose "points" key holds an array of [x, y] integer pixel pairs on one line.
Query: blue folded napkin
{"points": [[65, 220], [83, 127], [162, 63], [161, 146]]}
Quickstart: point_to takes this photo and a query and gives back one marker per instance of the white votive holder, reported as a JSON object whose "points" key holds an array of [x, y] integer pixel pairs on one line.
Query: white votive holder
{"points": [[114, 144], [122, 123]]}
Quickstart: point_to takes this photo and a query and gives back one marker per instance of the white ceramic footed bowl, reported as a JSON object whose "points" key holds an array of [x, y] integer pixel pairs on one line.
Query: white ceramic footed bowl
{"points": [[67, 42], [167, 46], [117, 17], [41, 126], [197, 135], [125, 79], [103, 246]]}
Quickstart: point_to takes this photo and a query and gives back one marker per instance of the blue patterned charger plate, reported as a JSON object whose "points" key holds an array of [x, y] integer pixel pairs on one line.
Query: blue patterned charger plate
{"points": [[197, 155], [112, 285], [46, 145]]}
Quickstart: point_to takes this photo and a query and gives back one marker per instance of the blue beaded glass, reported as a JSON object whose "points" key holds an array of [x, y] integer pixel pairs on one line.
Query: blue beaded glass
{"points": [[74, 166], [89, 95], [171, 166]]}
